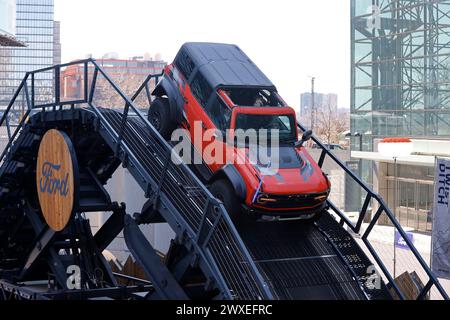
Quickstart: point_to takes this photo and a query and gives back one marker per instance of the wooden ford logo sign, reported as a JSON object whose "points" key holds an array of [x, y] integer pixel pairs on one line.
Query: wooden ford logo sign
{"points": [[57, 179]]}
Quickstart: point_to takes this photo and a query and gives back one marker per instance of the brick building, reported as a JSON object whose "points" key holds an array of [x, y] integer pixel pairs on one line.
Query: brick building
{"points": [[128, 74]]}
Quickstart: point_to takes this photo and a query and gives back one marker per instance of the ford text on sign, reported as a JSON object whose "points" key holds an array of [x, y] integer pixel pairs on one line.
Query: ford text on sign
{"points": [[56, 179]]}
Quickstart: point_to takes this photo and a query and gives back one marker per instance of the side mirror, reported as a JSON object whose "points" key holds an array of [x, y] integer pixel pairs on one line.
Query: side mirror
{"points": [[305, 138]]}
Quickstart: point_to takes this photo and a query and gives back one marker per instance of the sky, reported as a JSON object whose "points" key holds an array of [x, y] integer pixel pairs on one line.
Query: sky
{"points": [[289, 40]]}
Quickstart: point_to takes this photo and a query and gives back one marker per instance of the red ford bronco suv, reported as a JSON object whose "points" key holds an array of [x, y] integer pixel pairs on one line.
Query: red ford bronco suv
{"points": [[217, 87]]}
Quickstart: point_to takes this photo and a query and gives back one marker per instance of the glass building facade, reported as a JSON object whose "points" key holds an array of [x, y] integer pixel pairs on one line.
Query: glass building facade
{"points": [[400, 69], [8, 17], [35, 27], [401, 88]]}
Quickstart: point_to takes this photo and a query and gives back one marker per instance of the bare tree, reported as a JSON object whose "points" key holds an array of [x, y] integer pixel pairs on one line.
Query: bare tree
{"points": [[106, 96], [331, 124]]}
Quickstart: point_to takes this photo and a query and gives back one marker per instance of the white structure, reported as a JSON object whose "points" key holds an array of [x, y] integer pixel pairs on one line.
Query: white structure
{"points": [[415, 174], [8, 17]]}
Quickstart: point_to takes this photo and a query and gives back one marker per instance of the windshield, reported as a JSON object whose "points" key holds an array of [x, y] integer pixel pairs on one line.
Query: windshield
{"points": [[254, 97], [284, 124]]}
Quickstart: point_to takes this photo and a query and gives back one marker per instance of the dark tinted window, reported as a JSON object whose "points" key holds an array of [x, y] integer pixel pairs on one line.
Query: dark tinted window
{"points": [[220, 114], [285, 124], [185, 64], [201, 89], [250, 97]]}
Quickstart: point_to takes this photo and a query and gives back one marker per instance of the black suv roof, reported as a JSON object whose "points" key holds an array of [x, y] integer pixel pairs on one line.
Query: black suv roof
{"points": [[223, 65]]}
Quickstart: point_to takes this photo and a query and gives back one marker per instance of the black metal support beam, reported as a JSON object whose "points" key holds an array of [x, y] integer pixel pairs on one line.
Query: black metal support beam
{"points": [[53, 258], [149, 214], [111, 229], [97, 258], [41, 244], [28, 291], [165, 284]]}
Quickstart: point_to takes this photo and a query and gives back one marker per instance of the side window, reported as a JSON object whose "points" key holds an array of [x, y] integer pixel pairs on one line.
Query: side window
{"points": [[185, 64], [220, 114], [201, 89]]}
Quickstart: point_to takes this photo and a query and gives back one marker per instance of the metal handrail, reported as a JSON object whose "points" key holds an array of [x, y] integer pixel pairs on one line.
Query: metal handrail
{"points": [[13, 100], [145, 86], [30, 100], [382, 208], [213, 202], [5, 115], [129, 104], [91, 67]]}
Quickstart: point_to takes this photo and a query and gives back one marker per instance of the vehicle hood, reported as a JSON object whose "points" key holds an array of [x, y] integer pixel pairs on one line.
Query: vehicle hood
{"points": [[294, 173]]}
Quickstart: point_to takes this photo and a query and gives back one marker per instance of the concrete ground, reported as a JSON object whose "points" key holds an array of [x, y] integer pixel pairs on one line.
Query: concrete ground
{"points": [[399, 260]]}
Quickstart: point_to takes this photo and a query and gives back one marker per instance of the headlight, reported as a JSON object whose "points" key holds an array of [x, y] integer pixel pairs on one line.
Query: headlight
{"points": [[264, 198], [321, 198]]}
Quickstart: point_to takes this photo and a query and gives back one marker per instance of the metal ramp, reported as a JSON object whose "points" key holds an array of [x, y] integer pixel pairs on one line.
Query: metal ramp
{"points": [[174, 189], [299, 263], [295, 259], [209, 259], [212, 259]]}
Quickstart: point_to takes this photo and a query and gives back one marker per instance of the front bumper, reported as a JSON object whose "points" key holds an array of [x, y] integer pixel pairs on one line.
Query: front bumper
{"points": [[259, 213]]}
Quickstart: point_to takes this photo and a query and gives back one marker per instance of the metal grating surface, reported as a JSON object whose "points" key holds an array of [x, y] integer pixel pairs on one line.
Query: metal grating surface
{"points": [[298, 263], [355, 257]]}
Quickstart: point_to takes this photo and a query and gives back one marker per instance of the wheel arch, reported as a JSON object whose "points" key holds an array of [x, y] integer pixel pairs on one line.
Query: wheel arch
{"points": [[232, 175], [167, 88]]}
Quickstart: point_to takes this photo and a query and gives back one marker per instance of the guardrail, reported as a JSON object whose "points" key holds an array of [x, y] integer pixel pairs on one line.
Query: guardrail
{"points": [[356, 227], [211, 232], [27, 88], [205, 231], [211, 227], [382, 208]]}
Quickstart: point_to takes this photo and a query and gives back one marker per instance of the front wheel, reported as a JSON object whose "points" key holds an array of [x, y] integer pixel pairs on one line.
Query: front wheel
{"points": [[159, 117], [223, 191]]}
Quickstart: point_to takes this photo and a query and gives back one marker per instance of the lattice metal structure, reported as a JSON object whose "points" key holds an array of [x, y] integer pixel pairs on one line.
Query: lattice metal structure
{"points": [[400, 69]]}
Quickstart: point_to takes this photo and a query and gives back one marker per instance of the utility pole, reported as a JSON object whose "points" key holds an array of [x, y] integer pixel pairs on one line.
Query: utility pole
{"points": [[313, 104]]}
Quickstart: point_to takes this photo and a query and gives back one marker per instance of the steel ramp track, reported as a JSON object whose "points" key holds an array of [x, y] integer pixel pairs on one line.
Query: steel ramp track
{"points": [[298, 262], [181, 191], [354, 256], [295, 259]]}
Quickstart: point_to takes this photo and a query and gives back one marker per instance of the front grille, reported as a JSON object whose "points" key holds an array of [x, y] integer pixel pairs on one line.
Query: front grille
{"points": [[291, 201]]}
